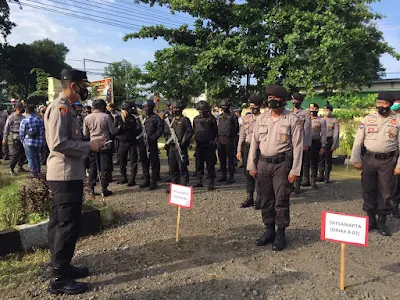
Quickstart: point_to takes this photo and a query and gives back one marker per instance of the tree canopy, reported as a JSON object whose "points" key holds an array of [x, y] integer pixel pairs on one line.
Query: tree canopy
{"points": [[295, 43]]}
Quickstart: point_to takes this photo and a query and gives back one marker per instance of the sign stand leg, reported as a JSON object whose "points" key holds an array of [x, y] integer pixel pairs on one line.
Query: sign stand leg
{"points": [[342, 259], [178, 220]]}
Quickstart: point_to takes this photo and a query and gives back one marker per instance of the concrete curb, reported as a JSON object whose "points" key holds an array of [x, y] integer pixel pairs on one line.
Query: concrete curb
{"points": [[27, 236]]}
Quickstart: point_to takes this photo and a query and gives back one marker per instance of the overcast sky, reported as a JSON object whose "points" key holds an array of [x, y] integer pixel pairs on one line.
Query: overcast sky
{"points": [[102, 40]]}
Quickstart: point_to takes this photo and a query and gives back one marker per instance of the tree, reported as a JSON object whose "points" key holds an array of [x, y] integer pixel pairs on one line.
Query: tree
{"points": [[296, 43], [17, 65], [40, 94], [126, 80], [173, 75], [5, 23]]}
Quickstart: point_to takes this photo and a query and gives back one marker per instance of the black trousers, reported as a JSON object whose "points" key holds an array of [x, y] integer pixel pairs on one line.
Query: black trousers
{"points": [[226, 153], [377, 184], [396, 190], [65, 218], [153, 160], [325, 159], [44, 153], [251, 182], [6, 150], [125, 148], [312, 162], [235, 146], [205, 153], [178, 168], [18, 155], [99, 162], [275, 193]]}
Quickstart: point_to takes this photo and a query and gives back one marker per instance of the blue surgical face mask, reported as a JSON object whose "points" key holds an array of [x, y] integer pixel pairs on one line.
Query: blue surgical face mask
{"points": [[395, 107], [217, 114]]}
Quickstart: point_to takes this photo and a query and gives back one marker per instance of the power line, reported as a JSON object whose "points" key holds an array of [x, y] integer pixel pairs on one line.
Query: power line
{"points": [[139, 7], [77, 16], [84, 14], [127, 12]]}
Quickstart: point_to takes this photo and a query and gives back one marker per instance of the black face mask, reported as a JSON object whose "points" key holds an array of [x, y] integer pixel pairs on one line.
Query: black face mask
{"points": [[203, 113], [314, 113], [297, 105], [177, 112], [382, 110], [226, 109], [255, 110], [83, 93], [149, 110], [274, 104]]}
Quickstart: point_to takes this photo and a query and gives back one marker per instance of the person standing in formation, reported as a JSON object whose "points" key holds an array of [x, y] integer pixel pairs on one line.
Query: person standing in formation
{"points": [[3, 120], [228, 128], [205, 134], [126, 136], [65, 175], [112, 110], [246, 132], [99, 125], [375, 153], [332, 143], [31, 132], [318, 146], [178, 162], [297, 100], [278, 137], [396, 190], [168, 114], [154, 127], [12, 125]]}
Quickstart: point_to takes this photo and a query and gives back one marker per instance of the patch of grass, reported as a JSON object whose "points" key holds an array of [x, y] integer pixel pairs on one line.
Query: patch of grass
{"points": [[10, 206], [16, 269], [344, 173]]}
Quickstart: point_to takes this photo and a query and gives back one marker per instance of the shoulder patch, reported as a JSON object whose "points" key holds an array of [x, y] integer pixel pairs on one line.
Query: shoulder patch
{"points": [[393, 121], [361, 125], [63, 110]]}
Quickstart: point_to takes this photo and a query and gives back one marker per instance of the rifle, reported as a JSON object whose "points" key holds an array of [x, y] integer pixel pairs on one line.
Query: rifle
{"points": [[174, 139], [144, 136]]}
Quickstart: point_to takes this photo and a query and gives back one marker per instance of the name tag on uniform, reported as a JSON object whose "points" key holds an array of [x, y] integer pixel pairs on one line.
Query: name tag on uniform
{"points": [[372, 129]]}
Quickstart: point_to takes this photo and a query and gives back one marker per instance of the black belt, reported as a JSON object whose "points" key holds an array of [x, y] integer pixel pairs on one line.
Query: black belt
{"points": [[380, 155], [273, 159]]}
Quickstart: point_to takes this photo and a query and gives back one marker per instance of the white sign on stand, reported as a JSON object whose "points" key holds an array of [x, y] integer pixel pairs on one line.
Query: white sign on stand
{"points": [[181, 196]]}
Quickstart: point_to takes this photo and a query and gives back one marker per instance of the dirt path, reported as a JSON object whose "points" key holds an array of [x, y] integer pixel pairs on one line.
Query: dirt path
{"points": [[216, 257]]}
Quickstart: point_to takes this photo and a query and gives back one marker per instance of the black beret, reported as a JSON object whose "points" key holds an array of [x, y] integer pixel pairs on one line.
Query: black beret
{"points": [[99, 102], [149, 103], [256, 99], [387, 96], [396, 96], [328, 106], [73, 75], [277, 90], [298, 97], [314, 105]]}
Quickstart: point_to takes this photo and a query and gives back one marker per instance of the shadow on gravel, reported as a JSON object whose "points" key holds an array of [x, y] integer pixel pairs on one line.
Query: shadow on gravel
{"points": [[219, 289], [167, 256]]}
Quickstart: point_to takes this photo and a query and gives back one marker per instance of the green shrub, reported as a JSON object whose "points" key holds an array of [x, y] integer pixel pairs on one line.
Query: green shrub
{"points": [[347, 138], [348, 114], [34, 218], [10, 206]]}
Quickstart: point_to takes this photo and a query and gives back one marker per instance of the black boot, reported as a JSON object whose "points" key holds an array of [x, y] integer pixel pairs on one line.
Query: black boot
{"points": [[372, 221], [145, 184], [62, 283], [280, 240], [314, 184], [249, 201], [123, 180], [257, 204], [328, 177], [211, 186], [268, 236], [321, 177], [78, 272], [153, 186], [305, 182], [222, 178], [230, 179], [382, 228], [132, 182], [199, 182], [396, 213], [106, 192]]}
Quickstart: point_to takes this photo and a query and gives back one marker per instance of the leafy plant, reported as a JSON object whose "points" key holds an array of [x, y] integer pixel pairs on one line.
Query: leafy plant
{"points": [[348, 114], [34, 218], [347, 139], [10, 206]]}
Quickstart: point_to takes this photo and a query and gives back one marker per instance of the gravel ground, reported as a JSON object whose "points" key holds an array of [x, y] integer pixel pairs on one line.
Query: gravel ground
{"points": [[216, 257]]}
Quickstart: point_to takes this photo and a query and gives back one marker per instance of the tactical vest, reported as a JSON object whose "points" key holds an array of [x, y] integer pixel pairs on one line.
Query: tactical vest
{"points": [[225, 125], [180, 127], [203, 128]]}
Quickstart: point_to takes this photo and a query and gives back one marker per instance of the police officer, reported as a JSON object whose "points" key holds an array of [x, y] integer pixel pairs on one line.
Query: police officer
{"points": [[278, 134], [127, 142], [65, 175], [168, 114], [154, 127], [3, 120], [297, 100], [396, 190], [246, 131], [379, 137], [12, 126], [332, 143], [178, 162], [205, 134], [99, 125], [228, 128], [318, 146]]}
